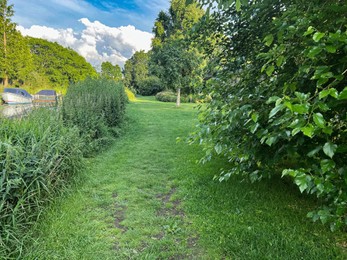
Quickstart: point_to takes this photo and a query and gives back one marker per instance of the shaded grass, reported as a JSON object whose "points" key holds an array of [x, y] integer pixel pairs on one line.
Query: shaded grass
{"points": [[146, 198]]}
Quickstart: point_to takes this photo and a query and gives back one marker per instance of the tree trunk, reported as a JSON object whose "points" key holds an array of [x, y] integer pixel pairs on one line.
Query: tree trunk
{"points": [[5, 81], [178, 101]]}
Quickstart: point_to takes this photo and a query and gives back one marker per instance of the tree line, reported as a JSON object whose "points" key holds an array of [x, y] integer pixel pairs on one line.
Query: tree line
{"points": [[35, 64]]}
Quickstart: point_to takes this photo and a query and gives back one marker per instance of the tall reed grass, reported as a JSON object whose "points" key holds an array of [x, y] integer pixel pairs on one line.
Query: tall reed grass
{"points": [[96, 107], [40, 153], [38, 156]]}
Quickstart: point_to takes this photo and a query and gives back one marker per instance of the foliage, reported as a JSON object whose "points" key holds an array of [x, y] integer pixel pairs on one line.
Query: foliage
{"points": [[150, 86], [110, 71], [169, 96], [279, 90], [177, 66], [136, 70], [173, 59], [96, 107], [15, 58], [38, 155], [62, 66]]}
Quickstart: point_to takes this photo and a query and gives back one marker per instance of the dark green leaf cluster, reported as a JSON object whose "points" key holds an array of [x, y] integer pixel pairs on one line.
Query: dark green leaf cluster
{"points": [[38, 156], [277, 84], [96, 107]]}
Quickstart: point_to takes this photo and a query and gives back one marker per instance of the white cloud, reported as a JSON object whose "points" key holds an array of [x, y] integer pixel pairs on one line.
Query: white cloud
{"points": [[97, 42]]}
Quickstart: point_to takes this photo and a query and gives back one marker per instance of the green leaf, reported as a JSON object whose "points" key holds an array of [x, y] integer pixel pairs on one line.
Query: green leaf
{"points": [[270, 70], [289, 172], [302, 180], [333, 92], [324, 215], [255, 117], [309, 31], [319, 120], [317, 36], [295, 131], [327, 165], [314, 151], [323, 93], [275, 110], [272, 99], [308, 130], [343, 94], [218, 148], [280, 60], [330, 49], [238, 5], [254, 128], [329, 149], [314, 52], [300, 109], [271, 140], [268, 40], [326, 92]]}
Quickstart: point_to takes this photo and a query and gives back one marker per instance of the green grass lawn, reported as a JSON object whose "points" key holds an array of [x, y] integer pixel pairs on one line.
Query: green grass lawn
{"points": [[146, 198]]}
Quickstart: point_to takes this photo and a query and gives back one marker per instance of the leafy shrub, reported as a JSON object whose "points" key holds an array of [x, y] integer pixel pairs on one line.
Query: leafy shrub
{"points": [[169, 96], [150, 86], [96, 107], [38, 155], [166, 96], [278, 102]]}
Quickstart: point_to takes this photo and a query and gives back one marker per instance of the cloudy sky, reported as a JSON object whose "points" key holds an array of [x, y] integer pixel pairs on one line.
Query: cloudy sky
{"points": [[105, 30]]}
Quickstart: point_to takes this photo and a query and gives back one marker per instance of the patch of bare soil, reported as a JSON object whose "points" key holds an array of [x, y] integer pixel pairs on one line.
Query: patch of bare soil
{"points": [[119, 216]]}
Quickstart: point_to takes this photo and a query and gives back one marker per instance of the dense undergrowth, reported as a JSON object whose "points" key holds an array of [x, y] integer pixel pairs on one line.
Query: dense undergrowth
{"points": [[41, 153]]}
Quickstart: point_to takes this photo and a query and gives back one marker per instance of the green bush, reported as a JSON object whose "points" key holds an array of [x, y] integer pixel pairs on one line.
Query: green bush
{"points": [[169, 96], [150, 86], [38, 156], [96, 107], [278, 102]]}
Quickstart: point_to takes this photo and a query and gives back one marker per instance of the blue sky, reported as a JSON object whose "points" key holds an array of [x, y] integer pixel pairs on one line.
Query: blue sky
{"points": [[98, 30], [66, 13]]}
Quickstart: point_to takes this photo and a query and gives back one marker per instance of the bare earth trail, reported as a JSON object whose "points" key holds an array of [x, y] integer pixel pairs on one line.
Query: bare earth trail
{"points": [[146, 198]]}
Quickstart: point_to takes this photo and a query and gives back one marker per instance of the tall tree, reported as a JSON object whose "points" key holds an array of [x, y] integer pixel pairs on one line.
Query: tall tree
{"points": [[136, 69], [7, 27], [173, 60], [110, 71], [177, 66]]}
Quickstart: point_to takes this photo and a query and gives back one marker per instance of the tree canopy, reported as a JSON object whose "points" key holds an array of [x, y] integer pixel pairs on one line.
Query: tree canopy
{"points": [[110, 71], [62, 66]]}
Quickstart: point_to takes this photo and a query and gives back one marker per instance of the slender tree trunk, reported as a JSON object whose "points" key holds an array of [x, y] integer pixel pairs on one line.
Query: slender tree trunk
{"points": [[5, 81], [178, 101]]}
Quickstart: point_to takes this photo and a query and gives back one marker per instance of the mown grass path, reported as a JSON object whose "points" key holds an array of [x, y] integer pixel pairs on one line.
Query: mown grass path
{"points": [[146, 198]]}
